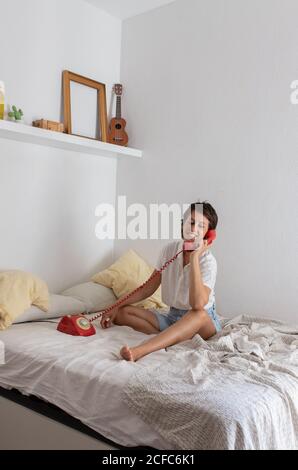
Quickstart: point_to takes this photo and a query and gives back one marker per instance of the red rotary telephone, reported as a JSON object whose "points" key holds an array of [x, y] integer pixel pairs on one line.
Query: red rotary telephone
{"points": [[76, 325], [79, 325]]}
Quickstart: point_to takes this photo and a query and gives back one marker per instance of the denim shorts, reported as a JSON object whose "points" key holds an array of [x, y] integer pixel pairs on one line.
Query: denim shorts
{"points": [[174, 314]]}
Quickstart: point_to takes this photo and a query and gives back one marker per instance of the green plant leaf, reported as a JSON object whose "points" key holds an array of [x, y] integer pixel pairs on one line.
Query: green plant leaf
{"points": [[14, 109]]}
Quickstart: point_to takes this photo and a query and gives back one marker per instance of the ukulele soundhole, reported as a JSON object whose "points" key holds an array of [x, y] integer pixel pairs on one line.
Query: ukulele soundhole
{"points": [[118, 126]]}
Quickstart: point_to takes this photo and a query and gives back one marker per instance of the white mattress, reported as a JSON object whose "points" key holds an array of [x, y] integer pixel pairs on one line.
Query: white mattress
{"points": [[81, 375]]}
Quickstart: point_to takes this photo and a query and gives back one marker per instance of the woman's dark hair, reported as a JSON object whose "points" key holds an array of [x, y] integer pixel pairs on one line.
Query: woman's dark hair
{"points": [[207, 210]]}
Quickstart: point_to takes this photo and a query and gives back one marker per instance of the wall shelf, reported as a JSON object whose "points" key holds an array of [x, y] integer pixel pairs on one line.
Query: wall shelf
{"points": [[35, 135]]}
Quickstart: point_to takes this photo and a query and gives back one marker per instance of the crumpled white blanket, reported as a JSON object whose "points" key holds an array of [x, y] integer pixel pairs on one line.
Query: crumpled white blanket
{"points": [[238, 390]]}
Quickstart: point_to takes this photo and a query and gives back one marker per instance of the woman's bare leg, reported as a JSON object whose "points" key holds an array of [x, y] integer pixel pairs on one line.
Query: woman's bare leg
{"points": [[137, 318], [193, 322]]}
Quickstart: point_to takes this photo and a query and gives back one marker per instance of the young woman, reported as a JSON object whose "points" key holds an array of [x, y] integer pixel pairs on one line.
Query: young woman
{"points": [[187, 287]]}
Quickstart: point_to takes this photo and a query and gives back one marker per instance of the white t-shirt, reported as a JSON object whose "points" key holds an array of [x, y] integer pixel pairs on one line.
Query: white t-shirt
{"points": [[175, 278]]}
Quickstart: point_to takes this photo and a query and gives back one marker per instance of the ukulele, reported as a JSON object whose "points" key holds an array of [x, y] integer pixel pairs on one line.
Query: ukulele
{"points": [[116, 133]]}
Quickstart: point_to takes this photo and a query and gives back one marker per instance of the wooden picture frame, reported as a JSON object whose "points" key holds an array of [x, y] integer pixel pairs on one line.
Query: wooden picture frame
{"points": [[102, 119]]}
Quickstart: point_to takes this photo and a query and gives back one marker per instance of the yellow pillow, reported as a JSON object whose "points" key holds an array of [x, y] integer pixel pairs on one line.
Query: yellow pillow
{"points": [[18, 291], [127, 273]]}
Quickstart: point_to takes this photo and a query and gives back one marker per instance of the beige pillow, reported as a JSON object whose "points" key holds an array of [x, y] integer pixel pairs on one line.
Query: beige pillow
{"points": [[127, 273], [18, 291]]}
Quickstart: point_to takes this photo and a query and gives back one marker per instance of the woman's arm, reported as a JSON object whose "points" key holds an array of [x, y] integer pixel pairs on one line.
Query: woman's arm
{"points": [[145, 292], [141, 294], [198, 293]]}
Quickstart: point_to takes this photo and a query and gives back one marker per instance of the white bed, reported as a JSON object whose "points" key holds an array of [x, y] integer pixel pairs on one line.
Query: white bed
{"points": [[81, 375], [237, 391]]}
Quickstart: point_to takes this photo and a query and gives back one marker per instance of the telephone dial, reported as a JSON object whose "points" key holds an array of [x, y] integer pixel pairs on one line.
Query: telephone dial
{"points": [[79, 325]]}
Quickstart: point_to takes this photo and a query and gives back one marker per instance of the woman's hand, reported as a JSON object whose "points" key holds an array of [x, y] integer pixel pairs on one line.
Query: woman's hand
{"points": [[108, 319], [199, 251]]}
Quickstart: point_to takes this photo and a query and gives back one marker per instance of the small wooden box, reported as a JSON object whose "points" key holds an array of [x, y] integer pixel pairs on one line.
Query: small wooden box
{"points": [[50, 125]]}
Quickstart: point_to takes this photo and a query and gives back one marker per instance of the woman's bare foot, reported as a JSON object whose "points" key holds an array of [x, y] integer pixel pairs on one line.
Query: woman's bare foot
{"points": [[132, 354], [136, 353], [127, 353]]}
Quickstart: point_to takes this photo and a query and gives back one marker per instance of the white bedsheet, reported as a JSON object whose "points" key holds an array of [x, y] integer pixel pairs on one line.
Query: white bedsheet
{"points": [[239, 390], [86, 378], [81, 375]]}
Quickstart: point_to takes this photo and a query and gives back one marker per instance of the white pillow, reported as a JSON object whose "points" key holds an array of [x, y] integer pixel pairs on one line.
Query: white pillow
{"points": [[59, 305], [94, 296]]}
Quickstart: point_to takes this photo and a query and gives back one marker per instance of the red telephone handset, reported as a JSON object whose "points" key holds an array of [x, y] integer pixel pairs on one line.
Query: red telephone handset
{"points": [[78, 325], [210, 237]]}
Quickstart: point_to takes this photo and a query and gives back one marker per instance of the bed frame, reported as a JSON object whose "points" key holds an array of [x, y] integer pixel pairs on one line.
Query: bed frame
{"points": [[33, 424]]}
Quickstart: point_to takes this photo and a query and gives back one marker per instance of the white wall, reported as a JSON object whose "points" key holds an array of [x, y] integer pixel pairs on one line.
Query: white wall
{"points": [[48, 196], [207, 86]]}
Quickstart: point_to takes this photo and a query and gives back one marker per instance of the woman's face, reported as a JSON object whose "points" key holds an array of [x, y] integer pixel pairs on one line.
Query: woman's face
{"points": [[195, 225]]}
